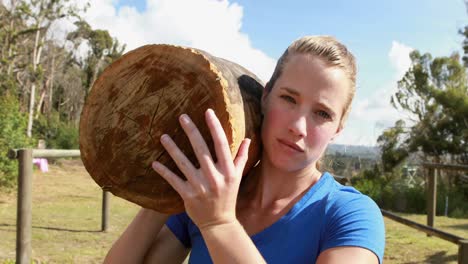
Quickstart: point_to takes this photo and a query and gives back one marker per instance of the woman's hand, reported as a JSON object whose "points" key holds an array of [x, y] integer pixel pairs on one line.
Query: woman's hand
{"points": [[210, 192]]}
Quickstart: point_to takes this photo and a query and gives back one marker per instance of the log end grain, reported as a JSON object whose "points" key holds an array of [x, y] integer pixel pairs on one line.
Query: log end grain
{"points": [[140, 96]]}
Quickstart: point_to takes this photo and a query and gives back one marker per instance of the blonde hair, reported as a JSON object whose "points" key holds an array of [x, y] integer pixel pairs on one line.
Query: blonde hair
{"points": [[328, 49]]}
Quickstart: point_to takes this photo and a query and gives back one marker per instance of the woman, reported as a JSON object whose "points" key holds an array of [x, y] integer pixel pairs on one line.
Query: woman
{"points": [[286, 211]]}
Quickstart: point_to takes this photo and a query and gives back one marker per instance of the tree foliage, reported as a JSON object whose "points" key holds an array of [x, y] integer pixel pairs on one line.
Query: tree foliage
{"points": [[44, 77], [103, 50], [434, 92], [391, 143], [12, 124]]}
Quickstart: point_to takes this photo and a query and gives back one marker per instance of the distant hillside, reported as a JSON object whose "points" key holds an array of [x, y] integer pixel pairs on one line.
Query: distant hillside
{"points": [[352, 150]]}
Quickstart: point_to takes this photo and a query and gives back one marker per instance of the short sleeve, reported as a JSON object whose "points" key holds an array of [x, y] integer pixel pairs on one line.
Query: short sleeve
{"points": [[178, 224], [355, 220]]}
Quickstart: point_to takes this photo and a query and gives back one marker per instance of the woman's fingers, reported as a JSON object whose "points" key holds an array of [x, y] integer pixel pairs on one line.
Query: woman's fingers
{"points": [[242, 155], [227, 166], [175, 181], [221, 144], [182, 162], [198, 143]]}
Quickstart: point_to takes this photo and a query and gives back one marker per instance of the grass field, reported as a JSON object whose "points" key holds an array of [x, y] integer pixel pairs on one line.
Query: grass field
{"points": [[66, 220]]}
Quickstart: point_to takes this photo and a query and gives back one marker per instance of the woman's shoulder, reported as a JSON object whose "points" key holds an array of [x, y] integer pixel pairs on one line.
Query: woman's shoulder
{"points": [[342, 199], [352, 219]]}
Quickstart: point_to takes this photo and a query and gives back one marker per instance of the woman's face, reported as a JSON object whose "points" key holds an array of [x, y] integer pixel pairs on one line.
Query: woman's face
{"points": [[302, 112]]}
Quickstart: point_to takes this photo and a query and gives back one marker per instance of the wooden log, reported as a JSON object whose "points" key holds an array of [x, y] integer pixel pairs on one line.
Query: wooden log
{"points": [[140, 96]]}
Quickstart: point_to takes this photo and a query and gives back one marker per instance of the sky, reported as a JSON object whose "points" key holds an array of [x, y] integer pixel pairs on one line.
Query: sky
{"points": [[381, 34]]}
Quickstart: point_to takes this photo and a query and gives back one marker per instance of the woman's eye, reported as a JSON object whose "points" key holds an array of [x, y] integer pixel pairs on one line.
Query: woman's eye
{"points": [[288, 98], [324, 114]]}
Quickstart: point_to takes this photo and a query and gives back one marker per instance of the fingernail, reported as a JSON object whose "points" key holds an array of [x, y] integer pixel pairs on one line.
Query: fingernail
{"points": [[164, 137], [210, 113], [184, 118], [155, 165]]}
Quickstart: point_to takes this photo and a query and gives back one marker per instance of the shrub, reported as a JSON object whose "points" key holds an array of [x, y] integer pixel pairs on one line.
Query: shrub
{"points": [[58, 134], [67, 137], [456, 194], [393, 192], [416, 199], [12, 135], [371, 188]]}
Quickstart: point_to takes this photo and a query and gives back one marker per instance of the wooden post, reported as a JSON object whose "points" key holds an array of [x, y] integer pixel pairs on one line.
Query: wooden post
{"points": [[431, 197], [23, 217], [463, 251], [105, 210]]}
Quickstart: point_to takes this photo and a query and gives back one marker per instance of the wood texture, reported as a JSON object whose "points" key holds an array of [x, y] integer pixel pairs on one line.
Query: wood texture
{"points": [[140, 96], [24, 212]]}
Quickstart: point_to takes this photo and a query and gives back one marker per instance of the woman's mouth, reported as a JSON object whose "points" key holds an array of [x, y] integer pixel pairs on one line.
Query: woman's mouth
{"points": [[291, 145]]}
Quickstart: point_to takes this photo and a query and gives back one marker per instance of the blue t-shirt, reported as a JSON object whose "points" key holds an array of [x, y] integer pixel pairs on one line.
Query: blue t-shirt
{"points": [[328, 215]]}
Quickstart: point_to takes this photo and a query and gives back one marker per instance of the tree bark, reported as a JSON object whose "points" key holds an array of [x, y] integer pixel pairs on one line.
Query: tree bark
{"points": [[51, 86], [41, 101], [33, 85], [31, 110], [96, 69]]}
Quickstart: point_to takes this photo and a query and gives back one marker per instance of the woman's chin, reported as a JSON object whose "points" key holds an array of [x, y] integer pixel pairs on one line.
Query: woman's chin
{"points": [[287, 165]]}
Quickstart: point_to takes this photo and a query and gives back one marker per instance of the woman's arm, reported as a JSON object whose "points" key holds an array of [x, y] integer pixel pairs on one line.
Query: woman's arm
{"points": [[144, 237], [166, 248], [229, 243], [349, 255]]}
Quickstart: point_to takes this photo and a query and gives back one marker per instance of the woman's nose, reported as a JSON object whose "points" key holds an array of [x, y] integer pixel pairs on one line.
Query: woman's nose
{"points": [[298, 126]]}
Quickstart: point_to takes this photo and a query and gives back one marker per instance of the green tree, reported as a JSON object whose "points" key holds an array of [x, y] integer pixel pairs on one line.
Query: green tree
{"points": [[103, 49], [13, 39], [392, 144], [42, 13], [42, 84], [434, 92], [464, 32], [24, 28]]}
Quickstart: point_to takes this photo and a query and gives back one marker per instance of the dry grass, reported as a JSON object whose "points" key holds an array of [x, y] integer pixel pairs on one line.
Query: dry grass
{"points": [[66, 220], [407, 245]]}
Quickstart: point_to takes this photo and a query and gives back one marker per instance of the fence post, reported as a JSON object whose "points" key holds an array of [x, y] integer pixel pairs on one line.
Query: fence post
{"points": [[105, 210], [463, 251], [431, 197], [23, 213]]}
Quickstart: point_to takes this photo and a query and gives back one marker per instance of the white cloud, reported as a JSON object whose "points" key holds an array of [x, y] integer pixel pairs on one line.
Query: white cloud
{"points": [[370, 116], [210, 25], [215, 26], [399, 58]]}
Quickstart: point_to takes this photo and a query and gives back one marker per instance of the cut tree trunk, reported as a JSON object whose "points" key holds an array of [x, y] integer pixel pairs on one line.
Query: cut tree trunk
{"points": [[140, 96]]}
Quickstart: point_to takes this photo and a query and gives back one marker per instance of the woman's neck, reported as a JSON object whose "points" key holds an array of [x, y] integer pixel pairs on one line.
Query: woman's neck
{"points": [[269, 187]]}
